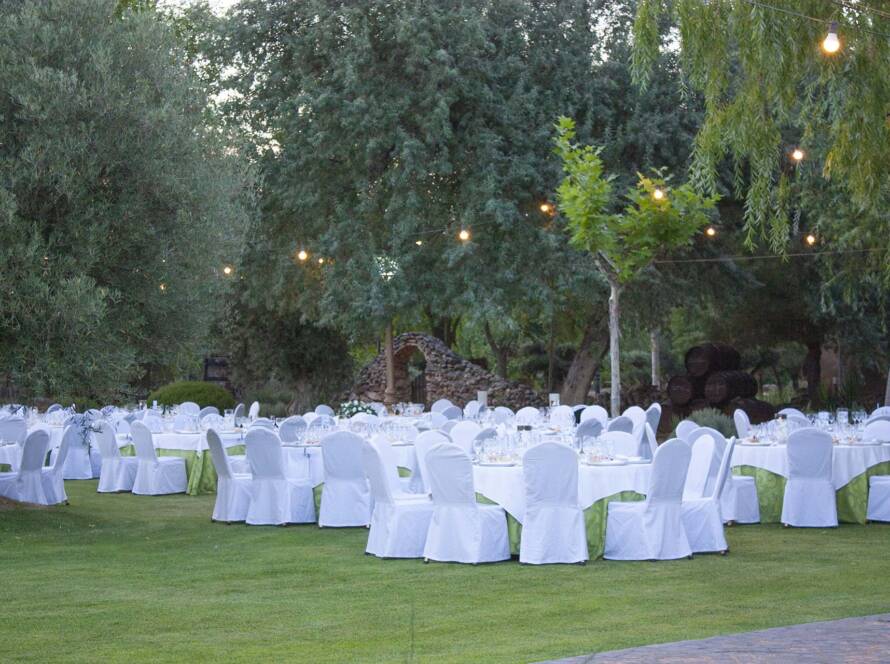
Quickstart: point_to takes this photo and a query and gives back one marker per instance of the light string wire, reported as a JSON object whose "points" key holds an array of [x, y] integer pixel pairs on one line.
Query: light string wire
{"points": [[821, 21], [802, 254]]}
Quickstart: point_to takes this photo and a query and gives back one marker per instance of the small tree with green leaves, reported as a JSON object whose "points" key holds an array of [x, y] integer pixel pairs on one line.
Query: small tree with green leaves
{"points": [[655, 219]]}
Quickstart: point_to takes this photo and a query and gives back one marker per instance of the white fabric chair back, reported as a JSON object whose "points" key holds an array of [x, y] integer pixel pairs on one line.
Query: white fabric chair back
{"points": [[213, 421], [440, 405], [684, 428], [13, 429], [742, 423], [669, 468], [254, 411], [189, 408], [71, 436], [589, 428], [342, 455], [502, 415], [489, 433], [596, 413], [882, 411], [324, 409], [550, 471], [623, 443], [792, 411], [264, 454], [525, 415], [375, 469], [725, 470], [184, 422], [878, 418], [218, 455], [390, 462], [878, 430], [453, 413], [105, 440], [438, 420], [292, 430], [703, 452], [208, 410], [450, 475], [463, 434], [152, 422], [649, 443], [810, 452], [239, 412], [34, 451], [719, 448], [53, 408], [472, 409], [562, 416], [448, 426], [143, 442], [622, 423], [799, 420], [422, 445], [263, 423], [653, 416]]}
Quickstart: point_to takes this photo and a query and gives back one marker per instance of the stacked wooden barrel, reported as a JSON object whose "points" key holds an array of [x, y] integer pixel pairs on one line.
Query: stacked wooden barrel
{"points": [[714, 379]]}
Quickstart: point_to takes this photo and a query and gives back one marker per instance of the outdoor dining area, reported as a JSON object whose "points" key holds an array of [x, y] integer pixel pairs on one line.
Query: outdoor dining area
{"points": [[470, 484]]}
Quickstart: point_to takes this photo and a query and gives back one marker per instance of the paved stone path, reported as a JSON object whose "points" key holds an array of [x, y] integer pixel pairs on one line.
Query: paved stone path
{"points": [[860, 640]]}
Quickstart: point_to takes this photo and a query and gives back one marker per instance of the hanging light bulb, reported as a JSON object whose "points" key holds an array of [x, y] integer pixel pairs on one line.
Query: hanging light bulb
{"points": [[227, 270], [163, 287], [302, 255], [710, 231], [419, 242], [810, 239], [797, 154], [464, 235], [831, 44], [321, 261], [658, 194]]}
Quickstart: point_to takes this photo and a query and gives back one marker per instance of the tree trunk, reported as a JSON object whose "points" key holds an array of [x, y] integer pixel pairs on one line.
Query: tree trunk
{"points": [[656, 364], [585, 364], [501, 352], [389, 396], [551, 353], [887, 390], [812, 371], [614, 351]]}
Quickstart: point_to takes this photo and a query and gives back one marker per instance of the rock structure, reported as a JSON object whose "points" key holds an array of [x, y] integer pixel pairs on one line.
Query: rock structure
{"points": [[448, 376]]}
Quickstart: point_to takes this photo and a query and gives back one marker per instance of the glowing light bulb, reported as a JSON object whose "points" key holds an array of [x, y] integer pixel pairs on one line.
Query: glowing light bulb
{"points": [[227, 270], [546, 208], [419, 242], [810, 239], [163, 287], [831, 44], [321, 261], [658, 194], [710, 231], [302, 255], [464, 235], [797, 154]]}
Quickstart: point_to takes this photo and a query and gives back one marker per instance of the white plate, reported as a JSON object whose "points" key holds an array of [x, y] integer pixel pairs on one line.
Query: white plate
{"points": [[497, 464], [401, 444], [754, 444], [186, 433], [615, 462]]}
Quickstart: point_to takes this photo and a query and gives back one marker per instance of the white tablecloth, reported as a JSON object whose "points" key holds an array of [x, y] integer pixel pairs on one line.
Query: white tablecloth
{"points": [[505, 485], [849, 461], [307, 461], [190, 442]]}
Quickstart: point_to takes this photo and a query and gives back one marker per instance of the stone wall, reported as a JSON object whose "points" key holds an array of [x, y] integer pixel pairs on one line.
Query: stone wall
{"points": [[448, 376]]}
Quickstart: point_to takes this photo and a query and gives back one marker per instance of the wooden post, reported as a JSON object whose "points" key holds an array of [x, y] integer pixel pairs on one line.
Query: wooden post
{"points": [[389, 397], [656, 364], [614, 353]]}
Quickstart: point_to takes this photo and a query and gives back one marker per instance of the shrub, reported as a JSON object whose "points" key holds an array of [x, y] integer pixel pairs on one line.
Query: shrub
{"points": [[203, 394], [711, 417]]}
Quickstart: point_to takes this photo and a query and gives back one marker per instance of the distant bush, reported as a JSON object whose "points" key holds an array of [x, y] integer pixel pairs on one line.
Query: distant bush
{"points": [[203, 394], [711, 417]]}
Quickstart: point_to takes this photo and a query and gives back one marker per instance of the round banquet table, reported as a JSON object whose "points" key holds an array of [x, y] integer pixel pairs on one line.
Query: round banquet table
{"points": [[597, 487], [852, 465]]}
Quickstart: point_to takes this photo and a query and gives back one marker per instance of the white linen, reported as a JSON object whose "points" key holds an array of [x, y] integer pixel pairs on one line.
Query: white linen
{"points": [[26, 485], [232, 491], [274, 499], [117, 473], [156, 475], [809, 500], [345, 498]]}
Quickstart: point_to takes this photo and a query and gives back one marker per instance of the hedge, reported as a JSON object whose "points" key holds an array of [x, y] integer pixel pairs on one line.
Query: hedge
{"points": [[203, 394]]}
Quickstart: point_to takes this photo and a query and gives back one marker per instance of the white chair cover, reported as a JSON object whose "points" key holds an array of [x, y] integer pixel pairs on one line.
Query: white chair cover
{"points": [[155, 475], [182, 422], [463, 434], [254, 411], [702, 518], [703, 454], [716, 457], [595, 413], [880, 412], [653, 529], [13, 429], [345, 498], [562, 416], [422, 444], [292, 430], [448, 426], [263, 423], [438, 420], [742, 423], [452, 413], [621, 423], [117, 473], [792, 411], [274, 499], [461, 530], [649, 443], [553, 526], [589, 428], [472, 409], [208, 410], [213, 421], [152, 422], [53, 478], [398, 486], [878, 430], [53, 408], [526, 415], [878, 498], [440, 405], [684, 428], [232, 491], [239, 413], [653, 416], [26, 485], [810, 499], [623, 444], [398, 527], [324, 409], [189, 408]]}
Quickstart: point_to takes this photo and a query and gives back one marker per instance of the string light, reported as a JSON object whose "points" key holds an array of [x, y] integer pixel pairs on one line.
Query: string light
{"points": [[321, 261], [797, 154], [547, 208], [419, 242], [810, 239], [831, 44], [710, 231], [464, 235], [163, 286], [658, 194], [302, 255], [227, 270]]}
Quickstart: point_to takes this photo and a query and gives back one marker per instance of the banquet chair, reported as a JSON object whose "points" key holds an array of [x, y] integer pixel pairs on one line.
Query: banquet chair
{"points": [[452, 413], [155, 475], [275, 500], [742, 423], [684, 428], [151, 422], [461, 530], [324, 409], [719, 442], [700, 463], [553, 529], [636, 415], [649, 443], [702, 518], [562, 416], [293, 429], [463, 434], [621, 423], [13, 429], [810, 499], [792, 411], [399, 524], [232, 490], [739, 502], [472, 409], [424, 442], [590, 428], [801, 421], [345, 498], [653, 529], [526, 415], [263, 423], [437, 420], [213, 421], [878, 418], [53, 477], [448, 426], [26, 485], [623, 443], [207, 410], [182, 422], [878, 430], [440, 405], [596, 413], [117, 473], [238, 415], [878, 498], [189, 408], [400, 487], [653, 416], [881, 411], [53, 408], [254, 411]]}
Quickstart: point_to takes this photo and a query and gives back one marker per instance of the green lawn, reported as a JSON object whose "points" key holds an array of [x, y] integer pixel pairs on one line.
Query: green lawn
{"points": [[129, 578]]}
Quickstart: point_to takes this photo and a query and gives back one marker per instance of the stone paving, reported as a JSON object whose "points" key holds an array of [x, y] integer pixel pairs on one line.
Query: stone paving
{"points": [[860, 640]]}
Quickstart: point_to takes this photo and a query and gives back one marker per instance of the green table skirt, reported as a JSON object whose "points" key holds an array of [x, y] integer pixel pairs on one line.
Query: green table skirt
{"points": [[198, 466], [852, 498], [5, 468]]}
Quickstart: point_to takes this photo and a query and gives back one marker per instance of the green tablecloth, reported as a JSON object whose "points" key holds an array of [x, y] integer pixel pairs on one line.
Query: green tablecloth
{"points": [[852, 498], [198, 466]]}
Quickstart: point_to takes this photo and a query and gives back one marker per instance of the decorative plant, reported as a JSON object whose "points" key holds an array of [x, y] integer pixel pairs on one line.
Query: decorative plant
{"points": [[350, 408]]}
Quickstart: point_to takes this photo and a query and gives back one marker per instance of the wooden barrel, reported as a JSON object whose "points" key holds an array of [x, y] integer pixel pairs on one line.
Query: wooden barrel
{"points": [[683, 389], [708, 358], [725, 385], [699, 404], [758, 411]]}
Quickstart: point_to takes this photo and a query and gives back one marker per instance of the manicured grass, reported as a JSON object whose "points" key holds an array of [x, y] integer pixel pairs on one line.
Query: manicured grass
{"points": [[126, 578]]}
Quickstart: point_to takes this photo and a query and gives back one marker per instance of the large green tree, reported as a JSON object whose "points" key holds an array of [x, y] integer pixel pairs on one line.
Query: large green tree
{"points": [[119, 205]]}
